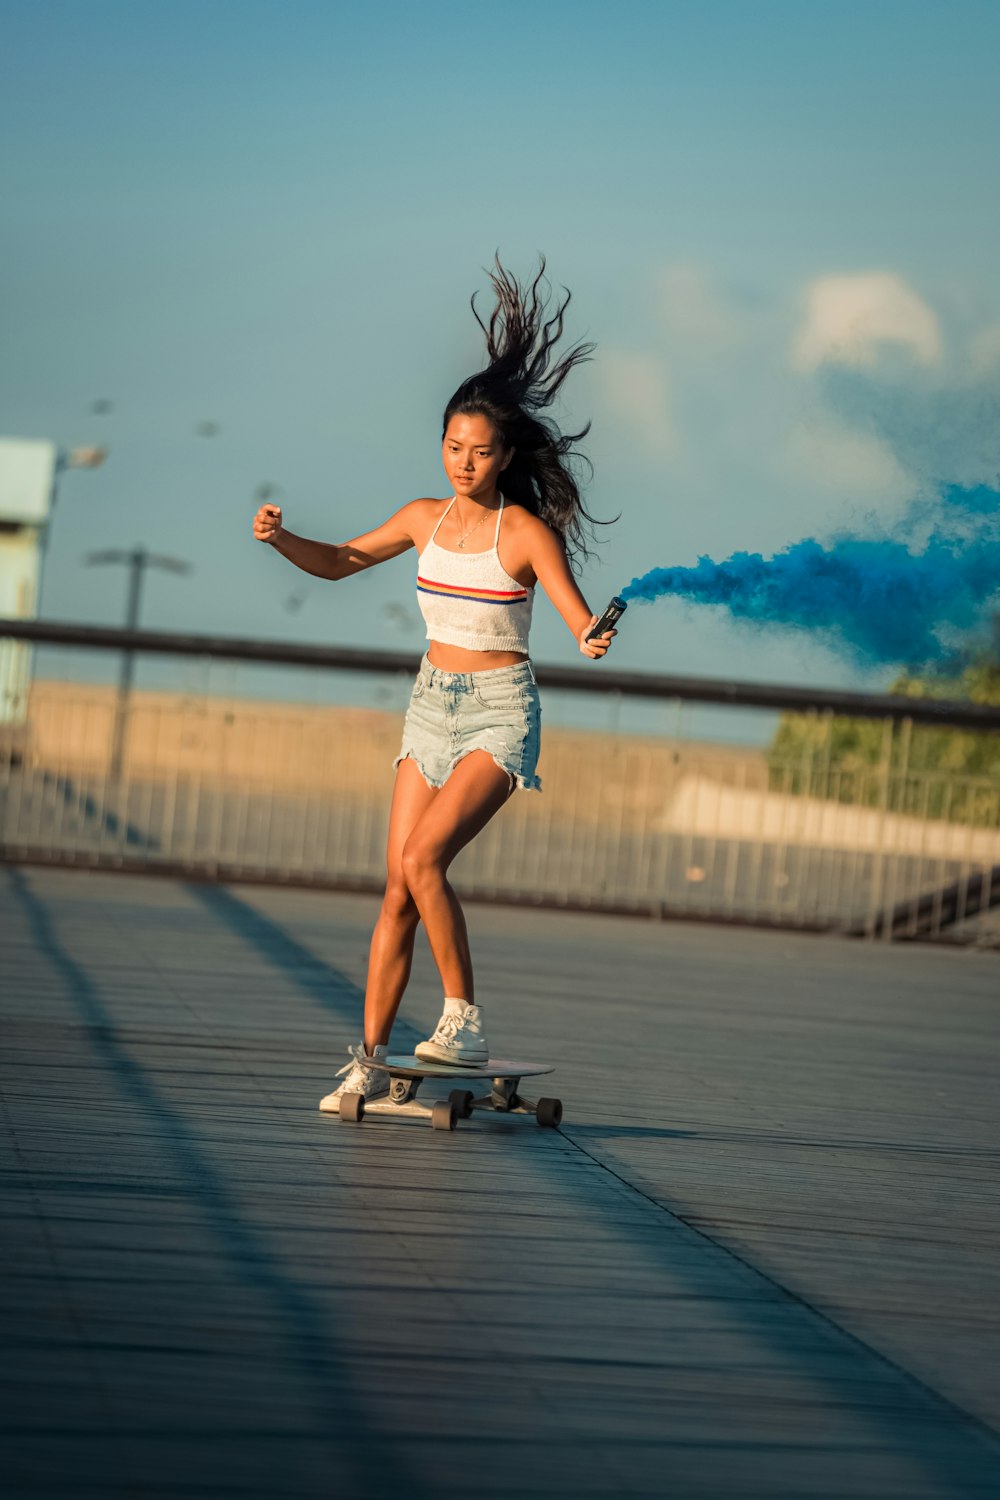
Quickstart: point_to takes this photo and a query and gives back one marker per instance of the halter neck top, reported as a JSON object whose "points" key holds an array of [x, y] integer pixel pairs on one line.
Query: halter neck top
{"points": [[469, 599]]}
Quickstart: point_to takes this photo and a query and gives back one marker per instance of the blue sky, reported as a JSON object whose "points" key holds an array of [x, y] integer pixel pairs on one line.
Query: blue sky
{"points": [[779, 223]]}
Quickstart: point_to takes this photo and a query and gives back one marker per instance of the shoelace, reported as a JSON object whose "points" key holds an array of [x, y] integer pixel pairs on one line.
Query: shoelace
{"points": [[447, 1026], [357, 1053]]}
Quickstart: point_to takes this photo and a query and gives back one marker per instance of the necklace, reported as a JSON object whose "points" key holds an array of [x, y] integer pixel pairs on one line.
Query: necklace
{"points": [[466, 534]]}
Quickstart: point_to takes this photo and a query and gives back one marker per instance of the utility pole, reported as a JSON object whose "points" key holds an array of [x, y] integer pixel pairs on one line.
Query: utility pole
{"points": [[138, 561]]}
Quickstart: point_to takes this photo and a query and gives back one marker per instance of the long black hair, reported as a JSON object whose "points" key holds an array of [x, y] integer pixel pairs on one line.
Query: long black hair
{"points": [[512, 392]]}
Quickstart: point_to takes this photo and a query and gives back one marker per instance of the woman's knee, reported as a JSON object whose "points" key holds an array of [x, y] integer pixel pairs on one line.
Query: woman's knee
{"points": [[398, 899], [421, 866]]}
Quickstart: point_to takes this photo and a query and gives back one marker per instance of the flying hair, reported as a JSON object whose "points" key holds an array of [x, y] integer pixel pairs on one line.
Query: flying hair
{"points": [[523, 378]]}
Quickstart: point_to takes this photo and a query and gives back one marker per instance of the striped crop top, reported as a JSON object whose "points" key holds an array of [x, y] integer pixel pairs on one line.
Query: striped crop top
{"points": [[469, 599]]}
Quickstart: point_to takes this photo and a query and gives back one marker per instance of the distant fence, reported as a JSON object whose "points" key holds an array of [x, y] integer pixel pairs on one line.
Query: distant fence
{"points": [[229, 788]]}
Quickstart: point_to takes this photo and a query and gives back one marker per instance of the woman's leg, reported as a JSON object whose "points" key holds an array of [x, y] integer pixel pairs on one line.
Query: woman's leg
{"points": [[475, 790], [391, 954]]}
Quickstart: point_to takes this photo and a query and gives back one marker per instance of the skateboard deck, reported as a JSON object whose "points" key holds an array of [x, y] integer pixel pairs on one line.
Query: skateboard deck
{"points": [[407, 1073], [412, 1066]]}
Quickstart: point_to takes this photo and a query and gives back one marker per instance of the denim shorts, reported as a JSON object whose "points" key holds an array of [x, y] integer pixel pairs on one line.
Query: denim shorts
{"points": [[451, 713]]}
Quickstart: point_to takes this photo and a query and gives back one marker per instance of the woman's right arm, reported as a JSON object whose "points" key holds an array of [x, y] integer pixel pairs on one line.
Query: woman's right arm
{"points": [[327, 559]]}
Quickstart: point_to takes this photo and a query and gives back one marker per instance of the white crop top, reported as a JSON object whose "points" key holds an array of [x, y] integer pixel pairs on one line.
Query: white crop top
{"points": [[469, 599]]}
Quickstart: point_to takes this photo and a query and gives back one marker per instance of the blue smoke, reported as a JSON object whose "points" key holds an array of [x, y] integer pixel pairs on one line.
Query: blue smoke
{"points": [[878, 600]]}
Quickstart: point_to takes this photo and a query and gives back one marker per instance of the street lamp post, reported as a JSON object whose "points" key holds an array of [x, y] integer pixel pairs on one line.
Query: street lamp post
{"points": [[138, 561]]}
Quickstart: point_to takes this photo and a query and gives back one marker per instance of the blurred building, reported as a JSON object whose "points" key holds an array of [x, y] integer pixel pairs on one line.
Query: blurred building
{"points": [[27, 482], [29, 469]]}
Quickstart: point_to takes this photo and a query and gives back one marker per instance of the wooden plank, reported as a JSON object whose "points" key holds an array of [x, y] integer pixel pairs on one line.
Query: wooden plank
{"points": [[759, 1260]]}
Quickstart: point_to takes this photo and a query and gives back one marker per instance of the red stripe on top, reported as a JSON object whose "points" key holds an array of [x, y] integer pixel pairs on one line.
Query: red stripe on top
{"points": [[458, 588]]}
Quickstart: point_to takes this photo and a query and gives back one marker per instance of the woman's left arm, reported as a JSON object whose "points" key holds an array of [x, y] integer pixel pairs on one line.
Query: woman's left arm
{"points": [[551, 567]]}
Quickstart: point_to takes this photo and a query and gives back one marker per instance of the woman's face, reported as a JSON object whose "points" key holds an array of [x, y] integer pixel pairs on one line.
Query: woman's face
{"points": [[473, 457]]}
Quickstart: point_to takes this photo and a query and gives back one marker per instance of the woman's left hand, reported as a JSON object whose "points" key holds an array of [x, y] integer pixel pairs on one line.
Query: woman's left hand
{"points": [[598, 647]]}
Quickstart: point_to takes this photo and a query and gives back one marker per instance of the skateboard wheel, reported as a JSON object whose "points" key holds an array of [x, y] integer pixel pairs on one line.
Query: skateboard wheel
{"points": [[461, 1099], [352, 1107], [443, 1115], [549, 1112]]}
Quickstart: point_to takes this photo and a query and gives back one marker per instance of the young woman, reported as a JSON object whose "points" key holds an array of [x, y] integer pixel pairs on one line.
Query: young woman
{"points": [[471, 734]]}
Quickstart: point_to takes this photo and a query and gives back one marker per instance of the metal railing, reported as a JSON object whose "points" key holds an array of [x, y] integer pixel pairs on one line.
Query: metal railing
{"points": [[233, 788]]}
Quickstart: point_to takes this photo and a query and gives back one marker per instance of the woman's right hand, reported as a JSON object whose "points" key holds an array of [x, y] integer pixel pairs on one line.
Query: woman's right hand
{"points": [[595, 646], [267, 523]]}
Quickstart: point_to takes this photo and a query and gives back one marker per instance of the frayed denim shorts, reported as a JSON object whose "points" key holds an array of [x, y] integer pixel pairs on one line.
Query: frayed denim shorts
{"points": [[451, 713]]}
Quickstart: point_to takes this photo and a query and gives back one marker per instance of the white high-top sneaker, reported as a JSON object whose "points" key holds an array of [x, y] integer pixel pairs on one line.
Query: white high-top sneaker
{"points": [[371, 1082], [458, 1038]]}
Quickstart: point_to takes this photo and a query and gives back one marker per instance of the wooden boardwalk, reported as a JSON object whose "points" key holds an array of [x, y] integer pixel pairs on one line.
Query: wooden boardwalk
{"points": [[759, 1260]]}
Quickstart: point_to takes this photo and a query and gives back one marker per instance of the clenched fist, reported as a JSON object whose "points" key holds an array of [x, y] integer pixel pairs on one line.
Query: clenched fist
{"points": [[267, 523]]}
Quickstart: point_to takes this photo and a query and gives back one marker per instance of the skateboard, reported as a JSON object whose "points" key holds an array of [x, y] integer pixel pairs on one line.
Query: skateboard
{"points": [[406, 1074]]}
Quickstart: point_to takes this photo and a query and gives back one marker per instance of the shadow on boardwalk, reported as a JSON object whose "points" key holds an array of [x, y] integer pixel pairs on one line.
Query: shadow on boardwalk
{"points": [[757, 1261]]}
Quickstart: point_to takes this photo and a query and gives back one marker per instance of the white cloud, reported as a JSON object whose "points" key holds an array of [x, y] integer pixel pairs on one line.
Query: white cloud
{"points": [[849, 319], [824, 456], [636, 391]]}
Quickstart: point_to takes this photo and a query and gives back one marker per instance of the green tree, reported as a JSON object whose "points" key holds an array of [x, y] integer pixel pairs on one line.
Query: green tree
{"points": [[923, 769]]}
